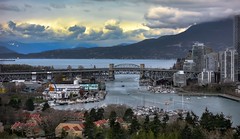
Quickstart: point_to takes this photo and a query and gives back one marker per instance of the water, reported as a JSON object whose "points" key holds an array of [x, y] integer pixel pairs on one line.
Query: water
{"points": [[90, 63], [134, 95]]}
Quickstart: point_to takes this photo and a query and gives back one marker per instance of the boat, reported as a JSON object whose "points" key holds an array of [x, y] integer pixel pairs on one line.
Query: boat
{"points": [[123, 85]]}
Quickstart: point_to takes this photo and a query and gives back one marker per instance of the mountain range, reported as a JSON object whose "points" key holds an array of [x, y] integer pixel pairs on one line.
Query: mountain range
{"points": [[216, 34]]}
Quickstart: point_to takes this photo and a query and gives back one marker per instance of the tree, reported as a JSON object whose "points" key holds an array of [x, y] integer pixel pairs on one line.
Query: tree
{"points": [[64, 133], [112, 118], [146, 125], [155, 125], [128, 115], [197, 133], [89, 127], [237, 133], [186, 133], [45, 106], [99, 114], [15, 102], [165, 120], [207, 121], [191, 119], [118, 132], [135, 126], [92, 114], [29, 104]]}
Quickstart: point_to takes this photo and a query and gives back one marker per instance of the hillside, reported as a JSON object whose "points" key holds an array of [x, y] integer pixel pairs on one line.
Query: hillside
{"points": [[217, 34]]}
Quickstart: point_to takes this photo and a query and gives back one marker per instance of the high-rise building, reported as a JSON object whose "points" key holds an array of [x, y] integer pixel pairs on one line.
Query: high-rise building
{"points": [[228, 64], [198, 52], [189, 65], [211, 62], [236, 39], [206, 77]]}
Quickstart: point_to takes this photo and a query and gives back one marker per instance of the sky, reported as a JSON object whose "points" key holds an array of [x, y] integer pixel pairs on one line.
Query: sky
{"points": [[105, 22]]}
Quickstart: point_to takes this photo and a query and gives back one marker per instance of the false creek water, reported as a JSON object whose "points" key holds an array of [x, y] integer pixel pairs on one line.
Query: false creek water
{"points": [[134, 95]]}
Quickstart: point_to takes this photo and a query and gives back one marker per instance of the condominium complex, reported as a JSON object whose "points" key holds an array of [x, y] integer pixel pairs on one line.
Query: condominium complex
{"points": [[198, 52], [228, 64], [236, 38]]}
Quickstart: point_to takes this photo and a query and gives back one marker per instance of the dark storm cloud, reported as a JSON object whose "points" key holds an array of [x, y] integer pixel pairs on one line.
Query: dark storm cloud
{"points": [[32, 30], [77, 31], [9, 8], [11, 25]]}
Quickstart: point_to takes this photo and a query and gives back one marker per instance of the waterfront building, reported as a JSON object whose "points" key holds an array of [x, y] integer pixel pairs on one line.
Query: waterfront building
{"points": [[63, 91], [179, 79], [228, 65], [206, 77], [188, 65], [198, 52], [236, 38], [211, 62]]}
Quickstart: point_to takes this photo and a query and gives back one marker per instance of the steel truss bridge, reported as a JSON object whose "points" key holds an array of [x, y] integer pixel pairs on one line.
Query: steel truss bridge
{"points": [[98, 73]]}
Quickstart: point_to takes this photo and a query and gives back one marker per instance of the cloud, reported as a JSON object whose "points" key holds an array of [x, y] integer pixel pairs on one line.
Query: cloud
{"points": [[76, 31], [167, 17], [9, 8], [181, 14], [58, 5], [95, 35], [27, 6], [11, 25], [26, 30]]}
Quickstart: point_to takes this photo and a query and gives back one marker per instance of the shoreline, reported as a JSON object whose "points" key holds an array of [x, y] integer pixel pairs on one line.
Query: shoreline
{"points": [[187, 93]]}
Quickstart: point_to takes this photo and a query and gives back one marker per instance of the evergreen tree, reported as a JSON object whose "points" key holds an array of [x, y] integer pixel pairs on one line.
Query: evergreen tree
{"points": [[128, 115], [92, 114], [165, 120], [112, 118], [135, 126], [99, 114], [89, 127], [180, 117], [207, 121], [146, 125], [186, 133], [155, 125], [237, 133], [29, 104], [45, 106], [15, 102], [197, 133], [118, 132]]}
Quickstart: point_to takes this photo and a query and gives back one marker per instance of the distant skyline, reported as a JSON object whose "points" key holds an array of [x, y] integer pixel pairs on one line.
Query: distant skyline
{"points": [[105, 22]]}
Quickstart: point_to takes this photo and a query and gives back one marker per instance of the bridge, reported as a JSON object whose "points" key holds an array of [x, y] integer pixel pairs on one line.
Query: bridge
{"points": [[98, 73]]}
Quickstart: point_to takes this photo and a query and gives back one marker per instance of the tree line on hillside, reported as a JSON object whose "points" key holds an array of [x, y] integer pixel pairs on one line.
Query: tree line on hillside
{"points": [[208, 126]]}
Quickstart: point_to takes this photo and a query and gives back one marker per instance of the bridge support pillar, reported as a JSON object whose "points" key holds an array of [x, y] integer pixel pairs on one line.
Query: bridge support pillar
{"points": [[34, 76], [142, 71], [111, 72]]}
